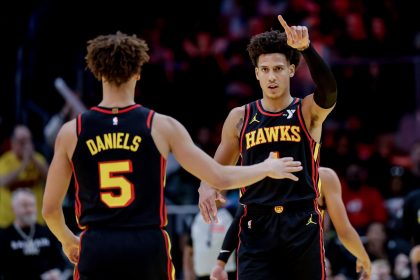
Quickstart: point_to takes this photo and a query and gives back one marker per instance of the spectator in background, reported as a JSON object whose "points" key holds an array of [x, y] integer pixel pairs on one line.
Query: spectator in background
{"points": [[381, 270], [408, 131], [203, 245], [381, 246], [376, 242], [340, 155], [28, 250], [413, 174], [364, 204], [411, 225], [402, 267], [380, 163], [20, 167], [72, 107]]}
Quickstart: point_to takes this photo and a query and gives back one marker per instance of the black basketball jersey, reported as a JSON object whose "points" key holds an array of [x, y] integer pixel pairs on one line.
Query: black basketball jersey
{"points": [[119, 172], [285, 134]]}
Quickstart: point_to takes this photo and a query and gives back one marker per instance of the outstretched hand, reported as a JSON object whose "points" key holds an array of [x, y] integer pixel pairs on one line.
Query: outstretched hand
{"points": [[297, 36], [283, 168], [207, 203]]}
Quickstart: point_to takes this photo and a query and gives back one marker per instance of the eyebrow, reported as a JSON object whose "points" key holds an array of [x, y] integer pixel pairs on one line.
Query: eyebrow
{"points": [[277, 65]]}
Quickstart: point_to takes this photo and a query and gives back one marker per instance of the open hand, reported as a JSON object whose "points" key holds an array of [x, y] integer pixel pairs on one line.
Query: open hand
{"points": [[283, 168], [207, 202]]}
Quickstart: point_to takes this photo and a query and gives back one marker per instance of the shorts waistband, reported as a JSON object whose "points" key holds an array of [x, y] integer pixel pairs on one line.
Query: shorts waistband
{"points": [[257, 209], [121, 228]]}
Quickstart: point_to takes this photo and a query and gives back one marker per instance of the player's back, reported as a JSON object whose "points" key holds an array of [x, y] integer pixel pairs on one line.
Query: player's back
{"points": [[119, 172]]}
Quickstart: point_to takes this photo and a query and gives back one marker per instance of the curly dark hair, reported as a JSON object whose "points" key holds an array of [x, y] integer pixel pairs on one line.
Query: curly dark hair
{"points": [[272, 41], [116, 57]]}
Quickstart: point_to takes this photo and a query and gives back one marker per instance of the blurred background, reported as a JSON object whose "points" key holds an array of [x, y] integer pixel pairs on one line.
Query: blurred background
{"points": [[199, 70]]}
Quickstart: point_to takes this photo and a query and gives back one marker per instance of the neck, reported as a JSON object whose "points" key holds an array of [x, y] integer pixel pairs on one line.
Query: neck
{"points": [[20, 224], [275, 105], [118, 96]]}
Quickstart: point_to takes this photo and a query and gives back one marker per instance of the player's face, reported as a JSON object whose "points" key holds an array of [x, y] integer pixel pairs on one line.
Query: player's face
{"points": [[273, 73]]}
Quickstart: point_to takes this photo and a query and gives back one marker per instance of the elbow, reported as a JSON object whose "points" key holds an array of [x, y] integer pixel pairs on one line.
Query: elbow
{"points": [[326, 97], [48, 211]]}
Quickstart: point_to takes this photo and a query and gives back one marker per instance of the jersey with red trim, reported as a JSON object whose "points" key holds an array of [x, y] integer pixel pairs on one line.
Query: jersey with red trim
{"points": [[118, 170], [285, 134]]}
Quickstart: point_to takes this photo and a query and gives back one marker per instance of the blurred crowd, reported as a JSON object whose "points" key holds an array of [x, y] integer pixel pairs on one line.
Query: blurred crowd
{"points": [[198, 71]]}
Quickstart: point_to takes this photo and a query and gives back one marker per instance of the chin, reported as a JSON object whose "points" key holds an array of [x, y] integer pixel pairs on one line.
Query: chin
{"points": [[273, 95]]}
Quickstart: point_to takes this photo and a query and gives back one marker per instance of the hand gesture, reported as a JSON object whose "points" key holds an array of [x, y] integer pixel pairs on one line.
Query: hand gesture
{"points": [[207, 202], [297, 36], [71, 249], [218, 273], [363, 267], [283, 168]]}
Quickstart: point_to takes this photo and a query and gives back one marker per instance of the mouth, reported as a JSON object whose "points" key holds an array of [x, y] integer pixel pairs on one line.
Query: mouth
{"points": [[272, 86]]}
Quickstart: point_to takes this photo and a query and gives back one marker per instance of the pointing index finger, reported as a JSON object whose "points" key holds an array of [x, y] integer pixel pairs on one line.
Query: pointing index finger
{"points": [[284, 24]]}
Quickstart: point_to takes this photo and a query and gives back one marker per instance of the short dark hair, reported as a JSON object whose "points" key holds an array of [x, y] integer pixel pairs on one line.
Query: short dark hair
{"points": [[116, 57], [272, 41]]}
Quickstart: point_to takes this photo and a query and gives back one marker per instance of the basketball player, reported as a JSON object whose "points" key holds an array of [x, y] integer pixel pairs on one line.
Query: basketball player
{"points": [[330, 200], [287, 243], [116, 152]]}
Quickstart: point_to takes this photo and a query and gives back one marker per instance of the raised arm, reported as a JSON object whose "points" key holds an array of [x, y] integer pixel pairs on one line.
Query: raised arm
{"points": [[331, 190], [318, 105], [58, 180], [171, 136]]}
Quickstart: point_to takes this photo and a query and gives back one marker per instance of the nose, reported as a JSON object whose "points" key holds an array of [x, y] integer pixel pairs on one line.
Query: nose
{"points": [[271, 76]]}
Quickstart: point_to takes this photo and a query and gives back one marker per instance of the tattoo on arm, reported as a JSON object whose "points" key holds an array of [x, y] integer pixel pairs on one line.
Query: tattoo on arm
{"points": [[239, 126]]}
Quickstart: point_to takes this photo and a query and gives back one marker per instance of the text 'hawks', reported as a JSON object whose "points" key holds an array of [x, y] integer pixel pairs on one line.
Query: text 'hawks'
{"points": [[118, 140], [272, 134]]}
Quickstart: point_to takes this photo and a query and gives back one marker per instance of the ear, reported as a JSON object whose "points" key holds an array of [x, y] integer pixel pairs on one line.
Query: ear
{"points": [[256, 73], [292, 70]]}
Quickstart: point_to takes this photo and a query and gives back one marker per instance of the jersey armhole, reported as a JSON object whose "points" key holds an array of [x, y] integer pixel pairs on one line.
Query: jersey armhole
{"points": [[247, 110], [149, 121], [79, 125]]}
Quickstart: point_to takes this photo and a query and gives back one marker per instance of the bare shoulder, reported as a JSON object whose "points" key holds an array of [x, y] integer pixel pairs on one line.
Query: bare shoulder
{"points": [[66, 140], [236, 119], [237, 112], [327, 172], [68, 130], [165, 122], [329, 178], [168, 133]]}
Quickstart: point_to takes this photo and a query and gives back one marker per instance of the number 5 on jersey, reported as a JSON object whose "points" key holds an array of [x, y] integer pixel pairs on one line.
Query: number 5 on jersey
{"points": [[109, 183]]}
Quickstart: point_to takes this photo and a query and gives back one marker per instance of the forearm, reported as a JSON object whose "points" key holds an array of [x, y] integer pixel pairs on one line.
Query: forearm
{"points": [[325, 94], [235, 177], [352, 243], [231, 238], [57, 224]]}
